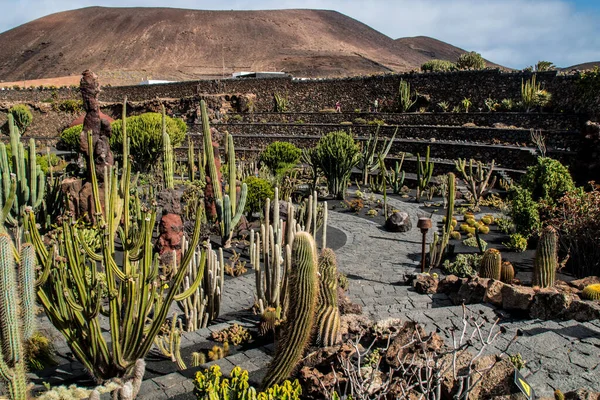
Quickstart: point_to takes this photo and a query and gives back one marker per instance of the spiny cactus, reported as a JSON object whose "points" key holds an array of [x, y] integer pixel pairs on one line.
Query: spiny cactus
{"points": [[545, 263], [167, 154], [191, 161], [395, 177], [591, 292], [235, 335], [16, 323], [268, 321], [424, 173], [198, 358], [477, 180], [369, 154], [491, 264], [507, 272], [302, 297], [328, 313], [438, 248]]}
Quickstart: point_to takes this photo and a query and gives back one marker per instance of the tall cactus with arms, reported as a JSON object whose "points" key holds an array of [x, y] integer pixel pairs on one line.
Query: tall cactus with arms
{"points": [[16, 322]]}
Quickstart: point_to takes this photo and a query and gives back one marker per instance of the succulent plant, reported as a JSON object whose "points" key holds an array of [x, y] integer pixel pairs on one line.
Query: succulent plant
{"points": [[235, 335], [455, 235], [591, 292], [328, 313], [507, 272], [545, 263], [491, 264]]}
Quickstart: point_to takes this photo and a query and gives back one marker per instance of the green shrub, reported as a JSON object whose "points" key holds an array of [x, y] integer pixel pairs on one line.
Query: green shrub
{"points": [[336, 154], [438, 66], [54, 162], [465, 265], [376, 121], [70, 106], [524, 212], [548, 180], [22, 116], [259, 190], [472, 242], [516, 242], [470, 60], [360, 121], [505, 225], [280, 157], [145, 135]]}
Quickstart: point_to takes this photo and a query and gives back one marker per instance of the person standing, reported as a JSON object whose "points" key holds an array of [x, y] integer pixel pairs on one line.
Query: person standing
{"points": [[338, 107]]}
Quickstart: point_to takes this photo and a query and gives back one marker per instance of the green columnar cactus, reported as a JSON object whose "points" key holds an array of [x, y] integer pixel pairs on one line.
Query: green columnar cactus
{"points": [[29, 178], [16, 323], [369, 156], [167, 154], [303, 290], [405, 99], [438, 247], [396, 176], [424, 173], [491, 264], [191, 161], [138, 299], [591, 292], [328, 313], [478, 181], [545, 263], [336, 155], [507, 272], [209, 163]]}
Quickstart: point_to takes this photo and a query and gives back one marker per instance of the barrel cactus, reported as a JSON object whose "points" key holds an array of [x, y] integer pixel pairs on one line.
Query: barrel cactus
{"points": [[591, 292], [491, 264], [302, 297], [546, 258], [507, 272], [328, 313]]}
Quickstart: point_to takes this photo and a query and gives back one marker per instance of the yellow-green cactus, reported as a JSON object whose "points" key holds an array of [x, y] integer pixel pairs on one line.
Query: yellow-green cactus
{"points": [[591, 292]]}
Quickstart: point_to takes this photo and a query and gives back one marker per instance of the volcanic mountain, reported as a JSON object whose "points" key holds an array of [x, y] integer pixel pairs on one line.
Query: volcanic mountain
{"points": [[126, 45]]}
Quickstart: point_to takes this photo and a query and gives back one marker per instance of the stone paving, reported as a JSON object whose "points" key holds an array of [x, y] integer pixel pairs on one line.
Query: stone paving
{"points": [[561, 355]]}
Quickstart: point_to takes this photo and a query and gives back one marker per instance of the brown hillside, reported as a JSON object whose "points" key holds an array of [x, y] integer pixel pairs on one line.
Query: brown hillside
{"points": [[126, 45], [583, 66]]}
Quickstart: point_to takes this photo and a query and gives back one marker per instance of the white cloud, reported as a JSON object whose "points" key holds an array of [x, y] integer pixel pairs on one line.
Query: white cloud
{"points": [[514, 33]]}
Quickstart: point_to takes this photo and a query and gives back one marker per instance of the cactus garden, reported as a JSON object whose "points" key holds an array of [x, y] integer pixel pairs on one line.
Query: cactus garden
{"points": [[190, 250]]}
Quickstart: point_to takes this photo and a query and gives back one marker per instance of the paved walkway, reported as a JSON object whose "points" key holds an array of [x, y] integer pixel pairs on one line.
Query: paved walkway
{"points": [[561, 355]]}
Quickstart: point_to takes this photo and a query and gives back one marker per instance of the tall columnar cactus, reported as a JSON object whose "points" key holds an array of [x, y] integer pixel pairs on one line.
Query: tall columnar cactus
{"points": [[507, 272], [228, 212], [477, 180], [17, 305], [212, 191], [424, 173], [369, 154], [138, 299], [395, 176], [328, 313], [438, 247], [167, 154], [302, 295], [29, 178], [545, 263], [191, 161], [491, 264]]}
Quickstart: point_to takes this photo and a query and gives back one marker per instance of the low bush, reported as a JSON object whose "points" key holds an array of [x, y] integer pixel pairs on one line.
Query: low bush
{"points": [[438, 66], [280, 157], [465, 265], [259, 190], [524, 212], [516, 242], [470, 60], [548, 180], [22, 116]]}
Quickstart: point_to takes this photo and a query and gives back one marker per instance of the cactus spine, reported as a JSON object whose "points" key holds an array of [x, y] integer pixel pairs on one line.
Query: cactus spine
{"points": [[16, 323], [167, 151], [546, 258], [491, 264], [302, 292], [328, 313], [424, 173], [507, 272], [30, 181]]}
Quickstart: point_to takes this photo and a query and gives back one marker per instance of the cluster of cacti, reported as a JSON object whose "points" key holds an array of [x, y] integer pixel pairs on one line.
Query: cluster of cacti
{"points": [[203, 304], [591, 292], [210, 385], [228, 212], [218, 352], [424, 173], [369, 154], [198, 358], [17, 313], [270, 249], [269, 320], [139, 296], [507, 272], [167, 154], [395, 177], [491, 264], [328, 314], [405, 98], [438, 247], [22, 185], [545, 263], [302, 298], [235, 335], [169, 341], [477, 180]]}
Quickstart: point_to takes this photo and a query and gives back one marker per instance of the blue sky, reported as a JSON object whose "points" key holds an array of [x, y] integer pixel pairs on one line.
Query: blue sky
{"points": [[514, 33]]}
